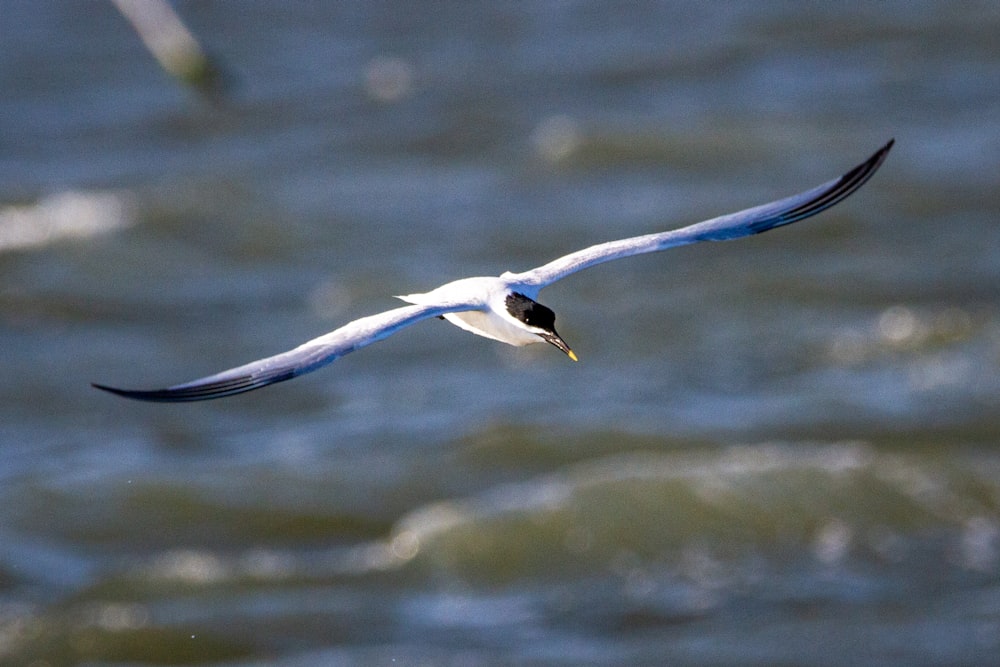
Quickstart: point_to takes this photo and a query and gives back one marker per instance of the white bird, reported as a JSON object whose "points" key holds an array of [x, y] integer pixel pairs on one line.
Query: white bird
{"points": [[504, 308]]}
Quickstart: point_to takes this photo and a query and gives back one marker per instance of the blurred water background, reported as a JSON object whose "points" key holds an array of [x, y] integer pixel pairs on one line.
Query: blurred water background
{"points": [[781, 450]]}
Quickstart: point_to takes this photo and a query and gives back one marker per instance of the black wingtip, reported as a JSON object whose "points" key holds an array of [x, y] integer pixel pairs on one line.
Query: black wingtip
{"points": [[839, 190], [204, 389], [110, 390], [156, 395], [881, 153], [866, 169], [877, 158], [183, 394]]}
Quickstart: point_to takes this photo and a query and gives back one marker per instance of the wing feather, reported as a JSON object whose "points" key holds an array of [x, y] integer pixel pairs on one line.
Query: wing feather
{"points": [[303, 359], [733, 226]]}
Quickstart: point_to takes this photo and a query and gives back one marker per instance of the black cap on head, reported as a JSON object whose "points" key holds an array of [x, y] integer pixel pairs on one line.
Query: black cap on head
{"points": [[530, 312], [538, 316]]}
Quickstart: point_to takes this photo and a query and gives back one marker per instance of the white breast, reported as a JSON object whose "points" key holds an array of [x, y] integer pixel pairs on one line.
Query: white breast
{"points": [[490, 321], [492, 325]]}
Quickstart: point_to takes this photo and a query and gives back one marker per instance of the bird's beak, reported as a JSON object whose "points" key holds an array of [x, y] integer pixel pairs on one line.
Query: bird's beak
{"points": [[555, 340]]}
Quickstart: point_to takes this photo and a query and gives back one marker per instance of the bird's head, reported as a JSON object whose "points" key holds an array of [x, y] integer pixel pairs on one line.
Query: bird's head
{"points": [[538, 319]]}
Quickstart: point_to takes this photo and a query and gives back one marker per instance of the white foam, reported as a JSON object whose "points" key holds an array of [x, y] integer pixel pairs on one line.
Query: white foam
{"points": [[63, 216]]}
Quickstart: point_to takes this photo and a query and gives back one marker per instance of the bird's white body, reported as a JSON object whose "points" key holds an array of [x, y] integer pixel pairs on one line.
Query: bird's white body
{"points": [[490, 319], [503, 308]]}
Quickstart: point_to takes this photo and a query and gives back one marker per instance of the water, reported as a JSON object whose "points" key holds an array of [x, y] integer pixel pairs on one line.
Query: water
{"points": [[781, 450]]}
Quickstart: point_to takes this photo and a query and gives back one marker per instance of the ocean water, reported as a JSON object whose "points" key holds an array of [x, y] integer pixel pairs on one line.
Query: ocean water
{"points": [[780, 450]]}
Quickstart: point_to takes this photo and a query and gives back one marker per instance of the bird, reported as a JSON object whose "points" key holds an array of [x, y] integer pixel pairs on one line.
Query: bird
{"points": [[504, 308]]}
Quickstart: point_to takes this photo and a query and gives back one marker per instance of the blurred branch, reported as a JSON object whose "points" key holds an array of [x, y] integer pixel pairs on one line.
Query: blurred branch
{"points": [[173, 45]]}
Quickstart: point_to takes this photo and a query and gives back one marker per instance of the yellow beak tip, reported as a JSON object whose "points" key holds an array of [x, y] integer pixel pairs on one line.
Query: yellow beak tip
{"points": [[572, 355]]}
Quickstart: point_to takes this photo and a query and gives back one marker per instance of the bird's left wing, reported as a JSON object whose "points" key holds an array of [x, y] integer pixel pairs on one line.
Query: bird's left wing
{"points": [[733, 226], [305, 358]]}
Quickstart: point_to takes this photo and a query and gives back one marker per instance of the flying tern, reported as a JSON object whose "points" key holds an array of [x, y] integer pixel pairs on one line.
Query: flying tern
{"points": [[504, 308]]}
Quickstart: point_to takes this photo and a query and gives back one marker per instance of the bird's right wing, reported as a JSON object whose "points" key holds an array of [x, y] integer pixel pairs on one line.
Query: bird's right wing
{"points": [[733, 226], [303, 359]]}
